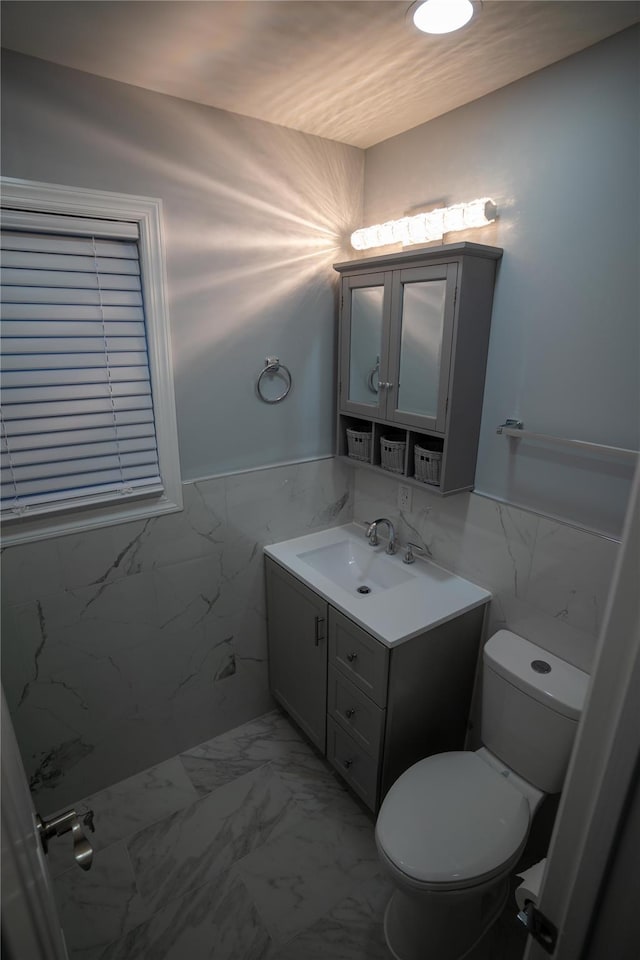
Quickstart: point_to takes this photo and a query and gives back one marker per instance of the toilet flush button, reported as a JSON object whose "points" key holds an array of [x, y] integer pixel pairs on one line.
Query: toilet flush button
{"points": [[541, 666]]}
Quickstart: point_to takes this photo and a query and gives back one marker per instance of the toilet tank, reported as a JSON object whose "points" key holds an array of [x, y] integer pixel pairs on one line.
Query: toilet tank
{"points": [[531, 705]]}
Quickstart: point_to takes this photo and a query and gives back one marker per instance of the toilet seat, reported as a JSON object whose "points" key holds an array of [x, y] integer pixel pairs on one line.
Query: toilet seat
{"points": [[451, 821]]}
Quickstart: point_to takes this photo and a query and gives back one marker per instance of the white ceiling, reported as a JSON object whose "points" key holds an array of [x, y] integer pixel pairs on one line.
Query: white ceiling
{"points": [[354, 71]]}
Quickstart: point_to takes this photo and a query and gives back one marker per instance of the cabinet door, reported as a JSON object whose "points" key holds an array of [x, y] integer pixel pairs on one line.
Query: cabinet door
{"points": [[297, 633], [365, 312], [422, 315]]}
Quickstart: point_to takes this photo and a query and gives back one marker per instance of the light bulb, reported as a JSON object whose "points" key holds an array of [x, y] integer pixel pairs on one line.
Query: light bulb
{"points": [[442, 16], [426, 227], [454, 218]]}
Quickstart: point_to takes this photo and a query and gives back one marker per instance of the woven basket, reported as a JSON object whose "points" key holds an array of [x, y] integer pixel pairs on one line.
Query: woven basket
{"points": [[428, 463], [392, 454], [359, 444]]}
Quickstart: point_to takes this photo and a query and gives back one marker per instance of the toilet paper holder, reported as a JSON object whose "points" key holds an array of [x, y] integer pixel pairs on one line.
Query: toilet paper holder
{"points": [[538, 926]]}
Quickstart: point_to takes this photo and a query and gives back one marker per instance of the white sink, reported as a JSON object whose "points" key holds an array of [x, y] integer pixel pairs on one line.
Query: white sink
{"points": [[403, 601], [356, 565]]}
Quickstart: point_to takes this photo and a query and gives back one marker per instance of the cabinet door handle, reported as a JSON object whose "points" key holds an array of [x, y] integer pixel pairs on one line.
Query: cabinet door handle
{"points": [[318, 638], [347, 763], [351, 657], [349, 713]]}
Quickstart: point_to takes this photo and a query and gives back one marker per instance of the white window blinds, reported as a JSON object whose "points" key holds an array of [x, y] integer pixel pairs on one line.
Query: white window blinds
{"points": [[77, 406]]}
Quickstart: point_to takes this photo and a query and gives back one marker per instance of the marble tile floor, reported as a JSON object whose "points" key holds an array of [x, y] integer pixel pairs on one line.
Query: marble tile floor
{"points": [[247, 847]]}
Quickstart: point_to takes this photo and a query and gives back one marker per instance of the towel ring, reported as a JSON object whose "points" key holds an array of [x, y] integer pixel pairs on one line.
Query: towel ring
{"points": [[272, 366]]}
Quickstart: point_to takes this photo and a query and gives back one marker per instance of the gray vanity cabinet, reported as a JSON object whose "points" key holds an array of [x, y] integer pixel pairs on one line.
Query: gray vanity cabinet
{"points": [[297, 619], [385, 707], [414, 335]]}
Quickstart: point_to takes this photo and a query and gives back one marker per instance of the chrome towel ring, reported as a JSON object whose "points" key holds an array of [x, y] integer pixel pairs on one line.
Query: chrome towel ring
{"points": [[273, 367]]}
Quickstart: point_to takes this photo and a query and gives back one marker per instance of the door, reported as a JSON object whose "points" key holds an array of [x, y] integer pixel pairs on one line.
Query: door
{"points": [[365, 312], [297, 632], [422, 320], [30, 924], [590, 887]]}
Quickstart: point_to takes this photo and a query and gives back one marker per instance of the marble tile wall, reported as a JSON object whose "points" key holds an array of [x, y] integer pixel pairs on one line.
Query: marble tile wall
{"points": [[549, 581], [124, 646]]}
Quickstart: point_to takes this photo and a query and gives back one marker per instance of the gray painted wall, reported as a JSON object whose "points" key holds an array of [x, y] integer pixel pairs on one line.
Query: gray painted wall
{"points": [[559, 153], [255, 216], [123, 646]]}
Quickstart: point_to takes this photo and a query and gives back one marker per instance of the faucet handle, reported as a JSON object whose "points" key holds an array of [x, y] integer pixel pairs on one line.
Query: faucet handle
{"points": [[409, 557]]}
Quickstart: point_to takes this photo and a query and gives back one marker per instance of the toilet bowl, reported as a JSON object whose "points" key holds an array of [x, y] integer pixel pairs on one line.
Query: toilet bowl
{"points": [[451, 882], [453, 826]]}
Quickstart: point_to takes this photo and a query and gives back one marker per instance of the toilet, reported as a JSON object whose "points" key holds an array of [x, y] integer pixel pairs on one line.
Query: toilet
{"points": [[452, 827]]}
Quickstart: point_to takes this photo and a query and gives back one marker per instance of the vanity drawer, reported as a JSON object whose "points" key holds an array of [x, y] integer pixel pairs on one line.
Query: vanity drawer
{"points": [[353, 763], [358, 656], [354, 711]]}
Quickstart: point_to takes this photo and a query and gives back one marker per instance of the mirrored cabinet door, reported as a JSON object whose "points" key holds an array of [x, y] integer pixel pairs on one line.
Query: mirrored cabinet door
{"points": [[366, 324], [420, 351]]}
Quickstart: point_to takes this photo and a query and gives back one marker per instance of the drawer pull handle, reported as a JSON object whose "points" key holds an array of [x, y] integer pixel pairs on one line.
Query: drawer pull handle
{"points": [[347, 763], [350, 713], [351, 657], [318, 638]]}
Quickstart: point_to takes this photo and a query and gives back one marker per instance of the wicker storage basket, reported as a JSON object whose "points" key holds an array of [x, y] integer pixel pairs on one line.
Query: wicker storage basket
{"points": [[392, 454], [428, 464], [359, 444]]}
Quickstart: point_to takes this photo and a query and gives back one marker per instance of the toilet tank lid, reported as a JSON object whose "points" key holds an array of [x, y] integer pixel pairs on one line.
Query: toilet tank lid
{"points": [[561, 688]]}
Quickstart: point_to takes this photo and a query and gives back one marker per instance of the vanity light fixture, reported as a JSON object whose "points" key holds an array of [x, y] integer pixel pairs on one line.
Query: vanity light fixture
{"points": [[441, 16], [425, 227]]}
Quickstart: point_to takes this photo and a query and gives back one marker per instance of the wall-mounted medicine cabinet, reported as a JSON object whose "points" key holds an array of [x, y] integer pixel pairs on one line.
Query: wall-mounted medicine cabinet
{"points": [[414, 335]]}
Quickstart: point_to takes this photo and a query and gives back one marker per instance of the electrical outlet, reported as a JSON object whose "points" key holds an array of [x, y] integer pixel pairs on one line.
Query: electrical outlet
{"points": [[404, 497]]}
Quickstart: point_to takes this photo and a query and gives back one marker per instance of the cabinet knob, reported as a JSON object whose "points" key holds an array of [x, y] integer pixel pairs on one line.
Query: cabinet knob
{"points": [[351, 657], [347, 763], [350, 713]]}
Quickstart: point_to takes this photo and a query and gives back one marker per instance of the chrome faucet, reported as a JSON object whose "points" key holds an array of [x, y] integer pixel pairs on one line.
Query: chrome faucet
{"points": [[372, 534]]}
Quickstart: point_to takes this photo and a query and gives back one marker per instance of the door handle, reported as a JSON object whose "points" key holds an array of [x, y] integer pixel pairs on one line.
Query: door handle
{"points": [[318, 638], [63, 823]]}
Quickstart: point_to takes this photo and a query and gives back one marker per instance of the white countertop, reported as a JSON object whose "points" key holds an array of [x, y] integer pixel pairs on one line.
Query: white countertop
{"points": [[431, 595]]}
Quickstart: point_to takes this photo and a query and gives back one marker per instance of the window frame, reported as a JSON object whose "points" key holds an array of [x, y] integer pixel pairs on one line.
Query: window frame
{"points": [[28, 196]]}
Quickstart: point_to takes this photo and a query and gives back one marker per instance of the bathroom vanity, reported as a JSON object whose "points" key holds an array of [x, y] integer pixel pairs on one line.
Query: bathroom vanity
{"points": [[414, 335], [379, 677]]}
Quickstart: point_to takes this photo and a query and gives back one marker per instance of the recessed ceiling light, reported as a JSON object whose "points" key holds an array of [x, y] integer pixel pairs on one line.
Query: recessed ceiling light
{"points": [[441, 16]]}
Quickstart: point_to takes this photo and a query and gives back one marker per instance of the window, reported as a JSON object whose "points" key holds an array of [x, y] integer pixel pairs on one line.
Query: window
{"points": [[88, 417]]}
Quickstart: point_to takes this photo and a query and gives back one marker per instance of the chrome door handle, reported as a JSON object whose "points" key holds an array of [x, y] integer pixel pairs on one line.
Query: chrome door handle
{"points": [[63, 823]]}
